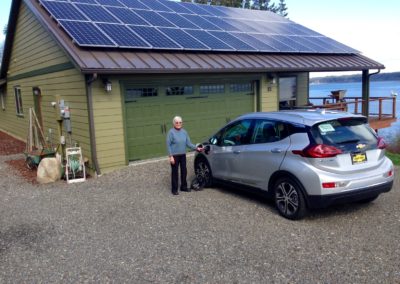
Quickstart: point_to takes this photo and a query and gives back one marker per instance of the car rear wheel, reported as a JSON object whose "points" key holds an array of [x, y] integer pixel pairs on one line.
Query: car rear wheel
{"points": [[203, 172], [289, 199]]}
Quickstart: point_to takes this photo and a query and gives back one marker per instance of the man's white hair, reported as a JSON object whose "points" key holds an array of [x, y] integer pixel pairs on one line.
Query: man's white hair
{"points": [[176, 118]]}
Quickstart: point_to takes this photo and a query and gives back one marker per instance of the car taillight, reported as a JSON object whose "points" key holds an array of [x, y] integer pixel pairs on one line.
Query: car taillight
{"points": [[381, 143], [318, 151]]}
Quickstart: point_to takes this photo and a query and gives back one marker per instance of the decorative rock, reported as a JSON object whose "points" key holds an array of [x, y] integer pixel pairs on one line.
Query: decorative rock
{"points": [[49, 170]]}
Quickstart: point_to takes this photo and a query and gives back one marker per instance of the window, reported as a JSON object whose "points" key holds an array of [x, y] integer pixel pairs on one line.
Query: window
{"points": [[244, 87], [179, 90], [267, 131], [212, 89], [18, 101], [237, 134], [134, 93]]}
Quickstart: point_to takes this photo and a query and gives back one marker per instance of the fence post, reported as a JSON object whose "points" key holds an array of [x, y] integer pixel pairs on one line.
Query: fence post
{"points": [[380, 109]]}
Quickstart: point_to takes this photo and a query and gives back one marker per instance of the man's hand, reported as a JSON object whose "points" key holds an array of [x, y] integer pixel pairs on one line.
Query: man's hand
{"points": [[172, 160]]}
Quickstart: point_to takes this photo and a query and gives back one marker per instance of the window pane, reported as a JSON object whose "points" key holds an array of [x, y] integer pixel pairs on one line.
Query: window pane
{"points": [[244, 87], [212, 89], [134, 93], [267, 131], [237, 134], [179, 90], [18, 100]]}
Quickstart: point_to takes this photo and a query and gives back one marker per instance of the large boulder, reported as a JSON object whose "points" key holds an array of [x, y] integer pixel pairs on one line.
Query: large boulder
{"points": [[49, 170]]}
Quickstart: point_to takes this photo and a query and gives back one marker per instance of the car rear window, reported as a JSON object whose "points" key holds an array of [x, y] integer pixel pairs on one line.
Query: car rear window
{"points": [[345, 134]]}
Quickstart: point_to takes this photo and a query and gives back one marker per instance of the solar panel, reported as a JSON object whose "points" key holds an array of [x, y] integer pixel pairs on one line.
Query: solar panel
{"points": [[201, 22], [123, 36], [177, 7], [178, 20], [135, 4], [184, 39], [127, 16], [84, 1], [156, 6], [86, 34], [97, 13], [63, 11], [252, 41], [156, 38], [196, 9], [115, 3], [164, 24], [271, 41], [232, 41], [154, 18], [209, 40]]}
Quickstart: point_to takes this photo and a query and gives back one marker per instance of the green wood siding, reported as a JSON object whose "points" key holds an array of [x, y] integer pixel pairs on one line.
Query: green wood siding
{"points": [[269, 95], [109, 125], [34, 57], [302, 88]]}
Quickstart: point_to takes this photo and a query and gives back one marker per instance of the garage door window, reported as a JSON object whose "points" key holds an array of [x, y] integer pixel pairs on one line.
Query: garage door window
{"points": [[179, 90], [212, 89], [239, 88], [134, 93]]}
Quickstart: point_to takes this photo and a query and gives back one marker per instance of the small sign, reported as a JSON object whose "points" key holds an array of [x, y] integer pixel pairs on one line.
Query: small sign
{"points": [[326, 128]]}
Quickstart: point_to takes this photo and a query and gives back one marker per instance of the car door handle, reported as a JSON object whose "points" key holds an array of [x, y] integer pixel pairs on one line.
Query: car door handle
{"points": [[236, 152], [276, 150]]}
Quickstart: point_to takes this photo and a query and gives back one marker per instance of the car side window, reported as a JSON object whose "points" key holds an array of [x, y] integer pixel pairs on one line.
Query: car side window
{"points": [[267, 131], [236, 134]]}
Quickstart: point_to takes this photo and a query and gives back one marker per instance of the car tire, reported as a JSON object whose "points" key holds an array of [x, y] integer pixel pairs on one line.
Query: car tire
{"points": [[203, 171], [289, 199]]}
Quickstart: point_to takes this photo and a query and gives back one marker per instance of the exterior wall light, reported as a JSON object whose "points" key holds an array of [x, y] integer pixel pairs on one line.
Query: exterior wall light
{"points": [[107, 85], [36, 91]]}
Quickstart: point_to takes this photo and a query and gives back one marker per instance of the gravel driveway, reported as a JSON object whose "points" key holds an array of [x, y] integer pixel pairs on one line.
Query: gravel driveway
{"points": [[127, 227]]}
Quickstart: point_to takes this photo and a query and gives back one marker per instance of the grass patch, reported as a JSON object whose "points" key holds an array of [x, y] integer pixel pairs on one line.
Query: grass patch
{"points": [[395, 157]]}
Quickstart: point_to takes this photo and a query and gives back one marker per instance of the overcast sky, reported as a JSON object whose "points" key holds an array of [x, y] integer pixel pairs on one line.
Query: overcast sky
{"points": [[370, 26]]}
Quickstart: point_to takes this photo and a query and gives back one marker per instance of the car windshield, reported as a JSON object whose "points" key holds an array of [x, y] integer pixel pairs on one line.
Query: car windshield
{"points": [[345, 134]]}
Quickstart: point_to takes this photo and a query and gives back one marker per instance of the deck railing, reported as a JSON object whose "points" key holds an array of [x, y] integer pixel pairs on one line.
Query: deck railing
{"points": [[357, 105]]}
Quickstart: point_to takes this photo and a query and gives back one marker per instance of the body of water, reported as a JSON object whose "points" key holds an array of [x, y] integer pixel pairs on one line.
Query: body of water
{"points": [[377, 89]]}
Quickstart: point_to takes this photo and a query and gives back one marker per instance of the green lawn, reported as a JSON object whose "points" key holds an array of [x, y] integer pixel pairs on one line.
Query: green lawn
{"points": [[395, 157]]}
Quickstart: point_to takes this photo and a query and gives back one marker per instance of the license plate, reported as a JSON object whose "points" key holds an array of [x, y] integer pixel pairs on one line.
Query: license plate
{"points": [[358, 158]]}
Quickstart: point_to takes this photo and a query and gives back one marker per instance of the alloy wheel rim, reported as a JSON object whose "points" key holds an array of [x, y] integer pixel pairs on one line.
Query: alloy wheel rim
{"points": [[287, 198], [203, 172]]}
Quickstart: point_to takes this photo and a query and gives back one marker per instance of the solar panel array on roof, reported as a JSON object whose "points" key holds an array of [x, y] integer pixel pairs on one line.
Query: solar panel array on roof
{"points": [[170, 25]]}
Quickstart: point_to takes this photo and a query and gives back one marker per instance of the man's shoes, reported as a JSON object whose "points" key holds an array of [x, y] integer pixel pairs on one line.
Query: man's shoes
{"points": [[175, 193], [186, 189]]}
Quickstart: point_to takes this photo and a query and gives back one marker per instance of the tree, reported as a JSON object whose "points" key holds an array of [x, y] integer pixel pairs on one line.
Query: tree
{"points": [[282, 8], [5, 29]]}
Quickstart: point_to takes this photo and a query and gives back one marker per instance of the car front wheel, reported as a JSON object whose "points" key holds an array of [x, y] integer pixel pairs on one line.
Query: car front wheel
{"points": [[203, 172], [289, 199]]}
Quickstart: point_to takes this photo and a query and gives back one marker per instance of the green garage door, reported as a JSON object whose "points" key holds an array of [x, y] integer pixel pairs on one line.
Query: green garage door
{"points": [[204, 108]]}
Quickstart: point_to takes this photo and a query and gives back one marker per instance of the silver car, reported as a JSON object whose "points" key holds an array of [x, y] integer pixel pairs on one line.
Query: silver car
{"points": [[303, 159]]}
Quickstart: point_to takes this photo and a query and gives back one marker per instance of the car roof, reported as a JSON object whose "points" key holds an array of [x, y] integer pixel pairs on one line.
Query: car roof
{"points": [[307, 117]]}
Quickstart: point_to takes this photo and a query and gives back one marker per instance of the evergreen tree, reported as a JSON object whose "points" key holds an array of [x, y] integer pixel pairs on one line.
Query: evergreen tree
{"points": [[282, 8]]}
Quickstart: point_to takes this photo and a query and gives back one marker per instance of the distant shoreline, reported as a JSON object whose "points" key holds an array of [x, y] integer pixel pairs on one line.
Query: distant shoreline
{"points": [[394, 76]]}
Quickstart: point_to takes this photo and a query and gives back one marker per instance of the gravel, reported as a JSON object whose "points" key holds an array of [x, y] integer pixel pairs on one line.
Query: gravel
{"points": [[127, 227]]}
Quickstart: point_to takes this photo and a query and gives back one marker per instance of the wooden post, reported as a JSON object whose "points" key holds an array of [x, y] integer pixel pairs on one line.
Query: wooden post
{"points": [[394, 107], [356, 106], [380, 109]]}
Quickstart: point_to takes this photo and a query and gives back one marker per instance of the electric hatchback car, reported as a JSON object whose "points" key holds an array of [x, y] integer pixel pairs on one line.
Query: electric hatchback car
{"points": [[304, 158]]}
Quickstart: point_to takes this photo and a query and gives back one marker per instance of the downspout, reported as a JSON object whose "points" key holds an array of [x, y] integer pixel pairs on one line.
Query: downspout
{"points": [[89, 81], [365, 90]]}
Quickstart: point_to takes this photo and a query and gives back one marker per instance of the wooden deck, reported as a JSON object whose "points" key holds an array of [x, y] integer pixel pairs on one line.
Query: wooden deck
{"points": [[378, 119]]}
